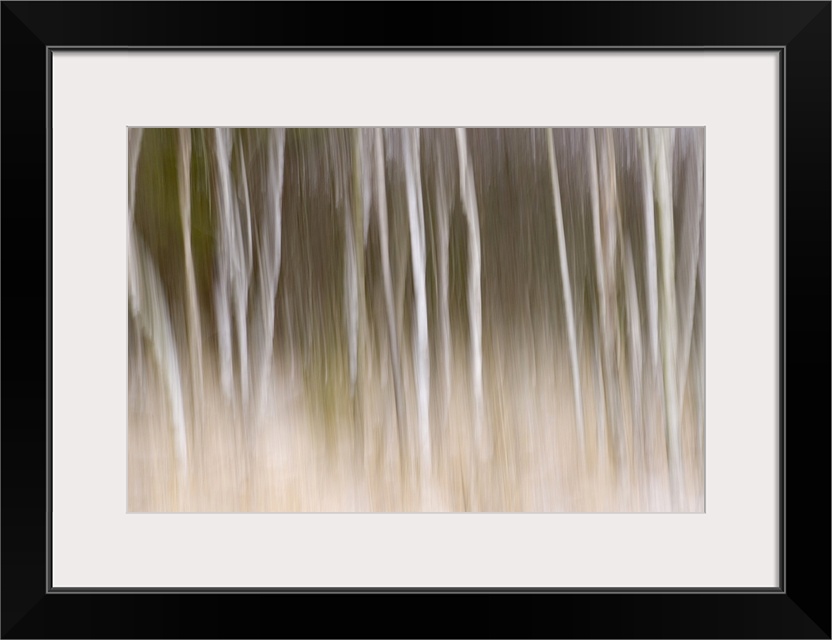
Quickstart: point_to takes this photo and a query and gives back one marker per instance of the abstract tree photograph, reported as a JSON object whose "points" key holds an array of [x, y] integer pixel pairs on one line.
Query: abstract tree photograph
{"points": [[435, 320]]}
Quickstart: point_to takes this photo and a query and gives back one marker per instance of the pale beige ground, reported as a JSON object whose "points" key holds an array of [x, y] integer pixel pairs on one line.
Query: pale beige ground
{"points": [[303, 455]]}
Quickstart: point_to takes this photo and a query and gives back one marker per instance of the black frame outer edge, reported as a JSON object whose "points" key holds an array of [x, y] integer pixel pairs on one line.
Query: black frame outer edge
{"points": [[801, 30]]}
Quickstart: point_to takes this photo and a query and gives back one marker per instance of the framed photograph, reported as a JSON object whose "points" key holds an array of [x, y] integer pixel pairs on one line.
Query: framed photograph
{"points": [[304, 308]]}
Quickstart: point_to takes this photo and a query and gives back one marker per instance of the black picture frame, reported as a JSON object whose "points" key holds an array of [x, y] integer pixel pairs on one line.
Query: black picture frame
{"points": [[798, 608]]}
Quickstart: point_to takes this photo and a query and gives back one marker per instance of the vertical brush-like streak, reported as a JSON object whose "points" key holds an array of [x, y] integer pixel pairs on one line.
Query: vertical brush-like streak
{"points": [[636, 358], [601, 287], [234, 262], [650, 246], [242, 275], [152, 313], [653, 364], [222, 303], [270, 259], [134, 143], [692, 264], [469, 199], [418, 263], [700, 378], [401, 244], [598, 379], [359, 297], [388, 288], [194, 324], [669, 329], [567, 293], [443, 224], [134, 148], [610, 230], [351, 296], [150, 310], [366, 154]]}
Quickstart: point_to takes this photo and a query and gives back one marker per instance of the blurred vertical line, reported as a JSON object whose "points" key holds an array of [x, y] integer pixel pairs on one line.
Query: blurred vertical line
{"points": [[418, 263], [221, 284], [651, 277], [686, 343], [388, 289], [270, 260], [194, 327], [147, 301], [662, 141], [650, 240], [443, 205], [636, 364], [469, 198], [602, 325], [567, 294]]}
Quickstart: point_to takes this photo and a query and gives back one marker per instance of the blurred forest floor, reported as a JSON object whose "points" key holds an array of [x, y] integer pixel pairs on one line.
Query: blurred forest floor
{"points": [[304, 456]]}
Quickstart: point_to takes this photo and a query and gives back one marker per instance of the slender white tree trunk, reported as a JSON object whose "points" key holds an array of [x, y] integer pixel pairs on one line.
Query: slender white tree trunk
{"points": [[242, 274], [270, 260], [443, 205], [654, 364], [691, 267], [357, 311], [150, 310], [605, 226], [636, 360], [419, 262], [194, 324], [354, 255], [234, 258], [469, 199], [388, 287], [222, 303], [601, 289], [351, 297], [664, 200], [650, 246], [134, 152], [366, 148], [567, 293], [700, 378]]}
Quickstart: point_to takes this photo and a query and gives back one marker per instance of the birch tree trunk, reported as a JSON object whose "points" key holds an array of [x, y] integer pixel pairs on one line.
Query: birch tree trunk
{"points": [[222, 303], [669, 332], [388, 288], [636, 362], [605, 228], [134, 152], [358, 300], [149, 308], [366, 142], [269, 261], [351, 292], [234, 262], [419, 261], [567, 294], [194, 324], [651, 269], [690, 262], [242, 274], [701, 351], [650, 245], [469, 199], [601, 292], [443, 206]]}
